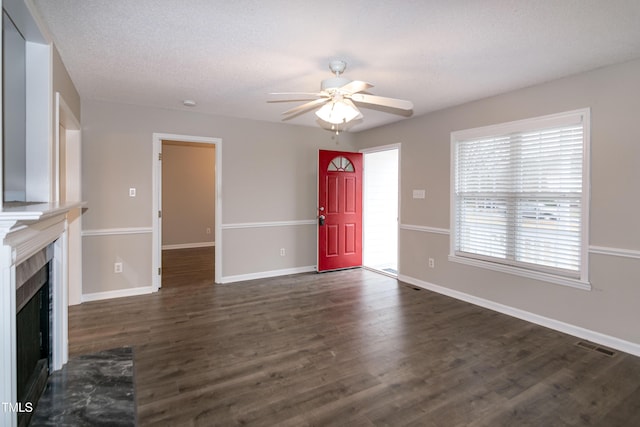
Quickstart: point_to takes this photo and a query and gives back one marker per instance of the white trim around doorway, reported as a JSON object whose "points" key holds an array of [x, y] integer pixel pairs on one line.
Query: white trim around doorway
{"points": [[157, 202], [72, 181], [388, 147]]}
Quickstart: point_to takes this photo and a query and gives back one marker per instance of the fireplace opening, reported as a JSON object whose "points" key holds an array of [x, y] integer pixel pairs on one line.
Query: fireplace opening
{"points": [[33, 329]]}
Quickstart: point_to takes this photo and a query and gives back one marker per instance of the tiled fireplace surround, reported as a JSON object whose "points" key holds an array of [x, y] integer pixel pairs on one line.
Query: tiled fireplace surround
{"points": [[25, 230]]}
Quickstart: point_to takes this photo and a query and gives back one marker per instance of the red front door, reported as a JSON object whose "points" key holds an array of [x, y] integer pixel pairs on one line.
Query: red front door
{"points": [[339, 210]]}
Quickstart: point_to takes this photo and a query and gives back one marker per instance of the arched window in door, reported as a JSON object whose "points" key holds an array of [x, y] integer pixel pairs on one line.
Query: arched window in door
{"points": [[340, 164]]}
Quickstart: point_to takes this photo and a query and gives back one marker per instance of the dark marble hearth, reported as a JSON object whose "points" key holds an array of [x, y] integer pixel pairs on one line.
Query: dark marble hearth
{"points": [[91, 390]]}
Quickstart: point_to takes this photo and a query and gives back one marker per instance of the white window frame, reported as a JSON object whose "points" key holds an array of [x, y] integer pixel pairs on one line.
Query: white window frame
{"points": [[543, 122]]}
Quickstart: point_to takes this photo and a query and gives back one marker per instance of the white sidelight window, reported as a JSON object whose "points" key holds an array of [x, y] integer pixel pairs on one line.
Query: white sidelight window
{"points": [[520, 197]]}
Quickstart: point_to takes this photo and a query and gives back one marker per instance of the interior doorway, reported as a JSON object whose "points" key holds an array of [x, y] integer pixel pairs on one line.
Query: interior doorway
{"points": [[188, 213], [381, 208], [67, 189], [201, 231]]}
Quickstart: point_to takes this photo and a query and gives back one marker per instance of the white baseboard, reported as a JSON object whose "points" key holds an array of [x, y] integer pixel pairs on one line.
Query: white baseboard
{"points": [[577, 331], [97, 296], [188, 245], [266, 274]]}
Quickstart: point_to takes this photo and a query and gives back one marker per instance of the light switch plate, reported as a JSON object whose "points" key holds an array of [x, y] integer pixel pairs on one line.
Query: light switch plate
{"points": [[419, 194]]}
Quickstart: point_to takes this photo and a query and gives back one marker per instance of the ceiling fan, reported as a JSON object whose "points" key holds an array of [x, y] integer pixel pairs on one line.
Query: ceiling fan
{"points": [[338, 99]]}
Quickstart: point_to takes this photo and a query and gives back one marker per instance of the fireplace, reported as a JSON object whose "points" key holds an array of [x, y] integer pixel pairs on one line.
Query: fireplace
{"points": [[33, 326], [33, 303]]}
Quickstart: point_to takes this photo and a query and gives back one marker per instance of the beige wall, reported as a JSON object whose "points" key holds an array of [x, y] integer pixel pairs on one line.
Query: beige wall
{"points": [[613, 94], [62, 83], [268, 175], [188, 194]]}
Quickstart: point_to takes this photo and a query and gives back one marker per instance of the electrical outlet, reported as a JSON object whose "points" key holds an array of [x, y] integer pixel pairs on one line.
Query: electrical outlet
{"points": [[282, 252], [208, 230], [117, 267], [432, 263], [132, 192]]}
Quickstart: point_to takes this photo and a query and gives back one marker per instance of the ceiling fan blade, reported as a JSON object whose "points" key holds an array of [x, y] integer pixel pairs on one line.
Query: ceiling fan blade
{"points": [[400, 104], [292, 96], [355, 86], [305, 107]]}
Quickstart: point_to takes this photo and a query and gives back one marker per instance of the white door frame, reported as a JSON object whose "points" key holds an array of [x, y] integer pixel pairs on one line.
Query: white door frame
{"points": [[72, 181], [156, 239], [364, 151]]}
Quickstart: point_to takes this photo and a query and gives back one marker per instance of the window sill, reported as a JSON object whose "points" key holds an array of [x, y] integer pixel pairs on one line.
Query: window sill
{"points": [[530, 274]]}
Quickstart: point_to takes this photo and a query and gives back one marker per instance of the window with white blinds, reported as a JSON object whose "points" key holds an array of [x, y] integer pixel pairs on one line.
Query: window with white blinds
{"points": [[520, 196]]}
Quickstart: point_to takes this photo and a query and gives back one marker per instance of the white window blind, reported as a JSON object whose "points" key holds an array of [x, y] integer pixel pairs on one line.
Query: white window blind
{"points": [[518, 196]]}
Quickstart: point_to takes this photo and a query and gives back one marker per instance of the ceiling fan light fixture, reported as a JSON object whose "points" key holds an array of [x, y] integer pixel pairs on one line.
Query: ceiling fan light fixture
{"points": [[334, 83], [335, 103], [337, 66], [337, 112]]}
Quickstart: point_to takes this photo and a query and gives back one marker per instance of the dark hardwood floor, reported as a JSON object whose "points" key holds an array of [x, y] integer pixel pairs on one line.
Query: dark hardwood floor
{"points": [[188, 266], [350, 348]]}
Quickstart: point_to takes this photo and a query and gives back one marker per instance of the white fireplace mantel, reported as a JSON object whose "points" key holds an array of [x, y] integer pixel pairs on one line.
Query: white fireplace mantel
{"points": [[24, 230], [34, 212]]}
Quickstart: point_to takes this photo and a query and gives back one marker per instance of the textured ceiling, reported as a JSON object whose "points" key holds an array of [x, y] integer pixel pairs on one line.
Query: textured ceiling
{"points": [[227, 55]]}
